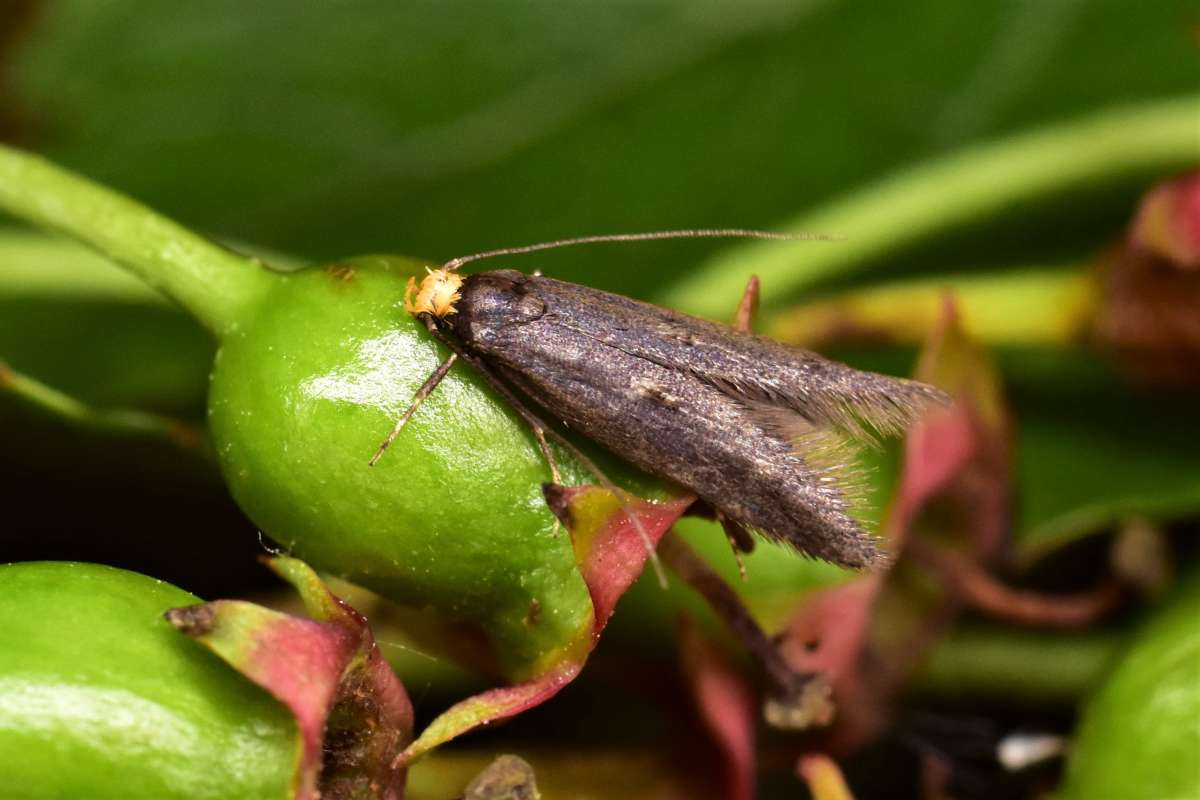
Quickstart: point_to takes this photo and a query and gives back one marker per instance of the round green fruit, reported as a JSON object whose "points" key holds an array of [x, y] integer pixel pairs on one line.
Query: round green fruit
{"points": [[1140, 734], [101, 698], [451, 520]]}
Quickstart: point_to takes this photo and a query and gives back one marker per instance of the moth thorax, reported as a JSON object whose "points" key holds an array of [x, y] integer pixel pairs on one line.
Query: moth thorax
{"points": [[437, 294]]}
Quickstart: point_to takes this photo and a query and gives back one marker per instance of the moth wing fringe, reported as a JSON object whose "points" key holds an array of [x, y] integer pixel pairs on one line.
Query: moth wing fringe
{"points": [[880, 557], [878, 407], [831, 454]]}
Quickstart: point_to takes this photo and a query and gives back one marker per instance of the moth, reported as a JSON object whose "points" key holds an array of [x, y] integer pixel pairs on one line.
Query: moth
{"points": [[763, 433]]}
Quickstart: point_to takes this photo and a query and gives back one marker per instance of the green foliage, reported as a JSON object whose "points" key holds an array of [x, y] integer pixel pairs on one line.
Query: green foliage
{"points": [[1093, 450], [436, 129]]}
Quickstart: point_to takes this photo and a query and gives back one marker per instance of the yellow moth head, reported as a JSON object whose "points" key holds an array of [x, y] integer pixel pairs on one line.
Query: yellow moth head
{"points": [[437, 294]]}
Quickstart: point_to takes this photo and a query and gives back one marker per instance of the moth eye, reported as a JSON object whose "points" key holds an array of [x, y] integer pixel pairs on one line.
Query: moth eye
{"points": [[530, 308]]}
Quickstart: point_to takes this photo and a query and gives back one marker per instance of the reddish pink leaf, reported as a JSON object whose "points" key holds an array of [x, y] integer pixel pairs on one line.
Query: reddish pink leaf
{"points": [[611, 554], [961, 450], [826, 634], [727, 705], [322, 670], [610, 551], [936, 449], [488, 707], [1168, 221], [958, 454]]}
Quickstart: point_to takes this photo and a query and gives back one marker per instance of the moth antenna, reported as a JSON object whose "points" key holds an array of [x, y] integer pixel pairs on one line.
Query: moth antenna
{"points": [[649, 236]]}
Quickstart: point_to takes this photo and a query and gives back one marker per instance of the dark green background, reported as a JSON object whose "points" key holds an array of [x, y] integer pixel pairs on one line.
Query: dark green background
{"points": [[427, 128]]}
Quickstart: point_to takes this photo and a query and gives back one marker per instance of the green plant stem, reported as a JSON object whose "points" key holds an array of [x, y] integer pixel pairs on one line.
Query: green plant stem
{"points": [[125, 422], [971, 184], [215, 285], [1018, 664]]}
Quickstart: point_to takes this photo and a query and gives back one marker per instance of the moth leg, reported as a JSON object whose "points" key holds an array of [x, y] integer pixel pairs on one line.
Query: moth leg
{"points": [[804, 698], [739, 537], [540, 429], [740, 541], [535, 424], [426, 388], [539, 433], [743, 317]]}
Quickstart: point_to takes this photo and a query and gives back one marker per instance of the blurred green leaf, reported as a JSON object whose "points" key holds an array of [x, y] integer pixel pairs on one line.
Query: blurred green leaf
{"points": [[1093, 450], [1012, 663], [435, 128], [980, 188], [1028, 306]]}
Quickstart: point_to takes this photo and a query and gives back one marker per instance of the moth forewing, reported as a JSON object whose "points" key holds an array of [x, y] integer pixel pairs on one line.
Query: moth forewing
{"points": [[764, 434], [747, 424]]}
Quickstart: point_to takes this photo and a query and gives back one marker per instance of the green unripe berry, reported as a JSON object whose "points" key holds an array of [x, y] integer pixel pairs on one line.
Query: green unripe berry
{"points": [[1140, 733], [101, 698], [451, 519]]}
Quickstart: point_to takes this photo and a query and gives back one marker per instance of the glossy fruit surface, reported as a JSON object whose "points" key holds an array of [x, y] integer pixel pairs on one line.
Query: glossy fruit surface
{"points": [[101, 698], [451, 520], [1140, 734]]}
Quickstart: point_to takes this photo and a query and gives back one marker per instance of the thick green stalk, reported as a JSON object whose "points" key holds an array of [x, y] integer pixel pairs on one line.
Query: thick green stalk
{"points": [[971, 184], [215, 285]]}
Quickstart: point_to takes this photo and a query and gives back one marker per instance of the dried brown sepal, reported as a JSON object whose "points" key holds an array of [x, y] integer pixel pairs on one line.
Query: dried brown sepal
{"points": [[1150, 285]]}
